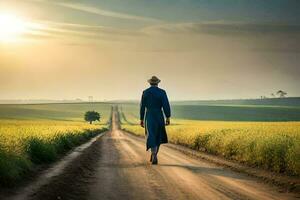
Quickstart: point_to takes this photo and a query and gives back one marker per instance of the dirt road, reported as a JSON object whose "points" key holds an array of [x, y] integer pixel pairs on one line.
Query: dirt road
{"points": [[117, 167]]}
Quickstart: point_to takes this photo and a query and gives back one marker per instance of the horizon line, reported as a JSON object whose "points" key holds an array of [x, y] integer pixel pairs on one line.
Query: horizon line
{"points": [[133, 100]]}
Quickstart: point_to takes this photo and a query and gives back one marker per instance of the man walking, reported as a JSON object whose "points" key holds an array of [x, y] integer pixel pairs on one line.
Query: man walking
{"points": [[153, 104]]}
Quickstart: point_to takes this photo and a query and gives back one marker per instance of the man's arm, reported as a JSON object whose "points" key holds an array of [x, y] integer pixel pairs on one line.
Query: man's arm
{"points": [[166, 107], [142, 110]]}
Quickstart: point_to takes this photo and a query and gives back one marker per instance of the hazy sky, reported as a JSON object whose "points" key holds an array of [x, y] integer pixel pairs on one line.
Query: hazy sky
{"points": [[201, 49]]}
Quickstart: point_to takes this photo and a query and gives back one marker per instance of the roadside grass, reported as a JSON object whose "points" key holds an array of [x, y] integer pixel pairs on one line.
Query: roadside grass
{"points": [[24, 144], [273, 146], [12, 167]]}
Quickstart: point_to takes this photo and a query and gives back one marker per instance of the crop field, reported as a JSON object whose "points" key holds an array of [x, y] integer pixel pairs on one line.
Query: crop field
{"points": [[232, 112], [64, 112], [37, 134], [270, 145]]}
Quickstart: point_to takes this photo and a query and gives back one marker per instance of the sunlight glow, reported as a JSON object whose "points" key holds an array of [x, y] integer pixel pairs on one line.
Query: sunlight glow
{"points": [[11, 27]]}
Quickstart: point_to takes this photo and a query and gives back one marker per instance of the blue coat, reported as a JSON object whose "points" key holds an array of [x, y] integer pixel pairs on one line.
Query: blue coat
{"points": [[154, 102]]}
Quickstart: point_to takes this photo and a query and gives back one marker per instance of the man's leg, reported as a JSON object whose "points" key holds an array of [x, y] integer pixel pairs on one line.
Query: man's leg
{"points": [[157, 149], [154, 151]]}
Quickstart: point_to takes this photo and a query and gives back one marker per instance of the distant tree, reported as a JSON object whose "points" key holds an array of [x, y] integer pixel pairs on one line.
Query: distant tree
{"points": [[263, 97], [281, 93], [91, 116], [273, 95]]}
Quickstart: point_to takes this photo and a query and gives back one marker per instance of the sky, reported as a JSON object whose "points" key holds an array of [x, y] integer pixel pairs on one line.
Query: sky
{"points": [[200, 49]]}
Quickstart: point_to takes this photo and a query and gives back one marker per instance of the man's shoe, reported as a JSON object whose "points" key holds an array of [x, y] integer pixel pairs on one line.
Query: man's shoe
{"points": [[154, 160]]}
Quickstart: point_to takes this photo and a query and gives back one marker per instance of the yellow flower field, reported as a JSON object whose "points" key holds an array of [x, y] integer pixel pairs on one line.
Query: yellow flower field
{"points": [[271, 145], [27, 142], [15, 133]]}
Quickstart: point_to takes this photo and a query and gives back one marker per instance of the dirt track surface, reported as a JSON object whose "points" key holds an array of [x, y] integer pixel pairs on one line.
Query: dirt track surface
{"points": [[116, 166]]}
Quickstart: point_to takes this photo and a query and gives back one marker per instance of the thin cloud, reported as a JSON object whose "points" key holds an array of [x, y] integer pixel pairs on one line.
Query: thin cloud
{"points": [[91, 29], [69, 31], [107, 13], [38, 36], [277, 50], [223, 28], [98, 11]]}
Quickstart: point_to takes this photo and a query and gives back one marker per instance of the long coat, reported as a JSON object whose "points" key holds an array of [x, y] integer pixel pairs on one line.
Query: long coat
{"points": [[154, 102]]}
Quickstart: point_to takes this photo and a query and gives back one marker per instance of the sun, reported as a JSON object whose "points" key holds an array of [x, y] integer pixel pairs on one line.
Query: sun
{"points": [[11, 27]]}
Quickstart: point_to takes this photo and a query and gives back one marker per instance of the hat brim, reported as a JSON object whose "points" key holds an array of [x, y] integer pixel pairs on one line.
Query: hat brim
{"points": [[151, 81]]}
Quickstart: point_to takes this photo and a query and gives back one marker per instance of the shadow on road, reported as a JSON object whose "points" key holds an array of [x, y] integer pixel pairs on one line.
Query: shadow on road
{"points": [[207, 171]]}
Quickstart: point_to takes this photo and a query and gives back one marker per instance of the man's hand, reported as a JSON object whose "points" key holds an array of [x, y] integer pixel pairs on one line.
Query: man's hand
{"points": [[167, 121], [142, 123]]}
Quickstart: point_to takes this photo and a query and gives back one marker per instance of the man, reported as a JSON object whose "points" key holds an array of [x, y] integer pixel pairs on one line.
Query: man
{"points": [[154, 102]]}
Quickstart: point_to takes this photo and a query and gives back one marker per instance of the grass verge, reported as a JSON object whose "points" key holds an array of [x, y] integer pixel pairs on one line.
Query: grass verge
{"points": [[36, 151]]}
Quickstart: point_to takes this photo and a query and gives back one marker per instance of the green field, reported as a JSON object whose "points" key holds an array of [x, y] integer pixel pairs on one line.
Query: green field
{"points": [[262, 136], [286, 102], [35, 134], [65, 112], [229, 112]]}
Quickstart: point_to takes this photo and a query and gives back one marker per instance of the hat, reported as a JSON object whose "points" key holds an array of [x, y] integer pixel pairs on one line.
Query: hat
{"points": [[154, 80]]}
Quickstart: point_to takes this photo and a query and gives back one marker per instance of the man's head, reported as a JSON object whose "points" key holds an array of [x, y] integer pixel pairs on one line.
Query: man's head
{"points": [[154, 81]]}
